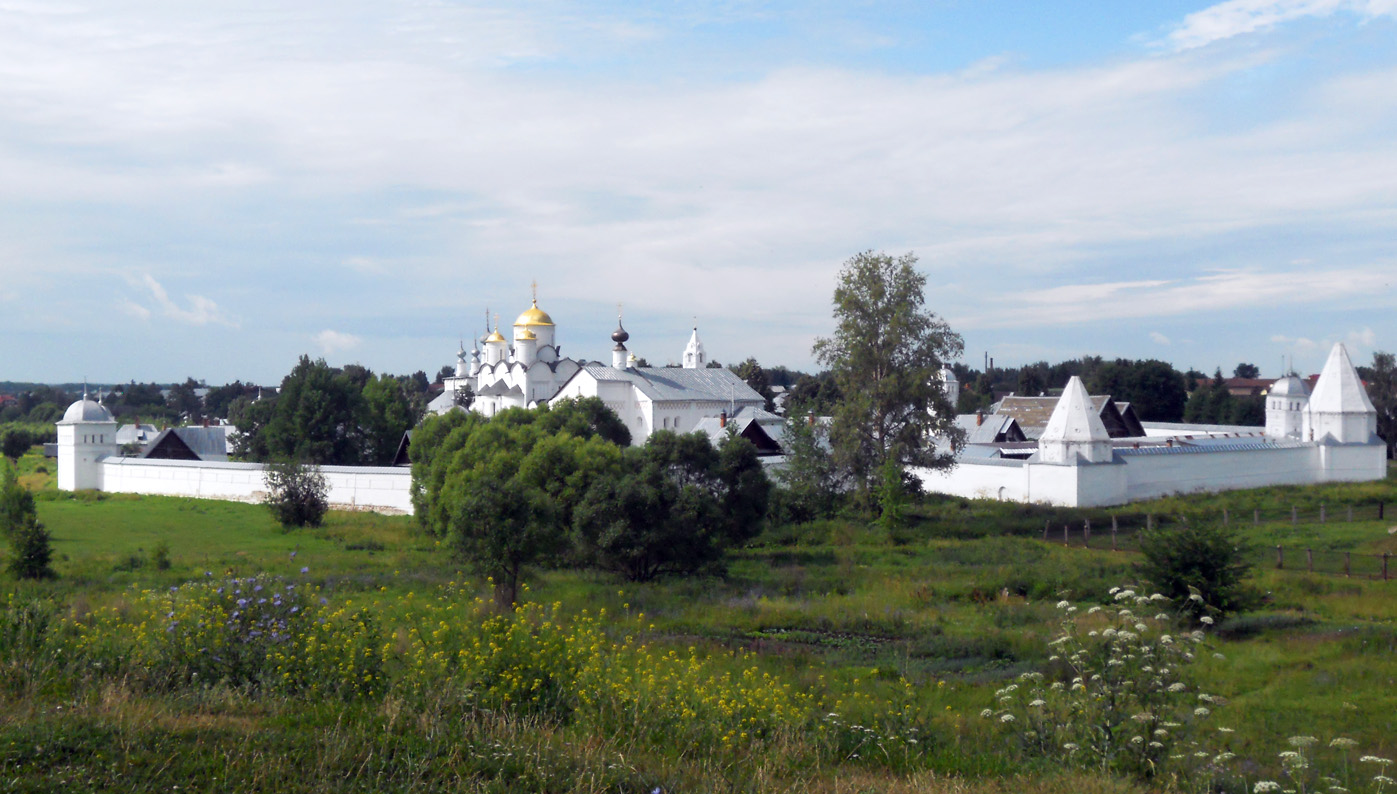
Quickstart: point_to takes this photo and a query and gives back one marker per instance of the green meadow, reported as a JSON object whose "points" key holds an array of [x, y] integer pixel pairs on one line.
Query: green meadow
{"points": [[833, 656]]}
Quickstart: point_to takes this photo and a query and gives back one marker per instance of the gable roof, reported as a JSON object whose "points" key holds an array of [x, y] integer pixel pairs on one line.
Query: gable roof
{"points": [[1033, 414], [749, 429], [189, 443], [677, 385]]}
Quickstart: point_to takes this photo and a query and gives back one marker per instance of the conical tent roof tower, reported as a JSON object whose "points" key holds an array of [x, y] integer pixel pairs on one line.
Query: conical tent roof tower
{"points": [[1075, 432]]}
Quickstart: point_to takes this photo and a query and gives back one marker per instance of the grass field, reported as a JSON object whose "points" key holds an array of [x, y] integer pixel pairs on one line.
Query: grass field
{"points": [[402, 680]]}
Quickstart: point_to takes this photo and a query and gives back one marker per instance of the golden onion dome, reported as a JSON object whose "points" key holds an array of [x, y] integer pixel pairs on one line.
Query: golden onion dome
{"points": [[526, 336], [533, 316], [495, 336]]}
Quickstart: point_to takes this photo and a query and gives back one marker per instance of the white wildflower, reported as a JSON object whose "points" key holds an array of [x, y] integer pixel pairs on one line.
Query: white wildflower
{"points": [[1303, 741], [1343, 743], [1263, 786], [1201, 711]]}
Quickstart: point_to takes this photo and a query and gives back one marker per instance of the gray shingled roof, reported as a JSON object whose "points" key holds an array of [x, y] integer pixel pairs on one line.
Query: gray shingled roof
{"points": [[677, 385]]}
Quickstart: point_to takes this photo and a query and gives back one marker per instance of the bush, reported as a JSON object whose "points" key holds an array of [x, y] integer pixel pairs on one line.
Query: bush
{"points": [[31, 551], [15, 442], [297, 494], [1201, 568], [16, 503]]}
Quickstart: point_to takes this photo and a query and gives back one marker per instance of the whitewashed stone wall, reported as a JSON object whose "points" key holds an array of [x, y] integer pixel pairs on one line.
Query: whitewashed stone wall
{"points": [[383, 489]]}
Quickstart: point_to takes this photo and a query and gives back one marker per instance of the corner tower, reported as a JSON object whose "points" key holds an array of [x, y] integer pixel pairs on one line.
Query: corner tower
{"points": [[1339, 407], [1074, 431], [86, 434]]}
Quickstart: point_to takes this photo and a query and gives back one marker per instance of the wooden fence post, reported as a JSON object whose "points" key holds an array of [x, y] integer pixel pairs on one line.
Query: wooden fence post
{"points": [[1224, 516], [1350, 514], [1321, 512], [1348, 563], [1294, 515], [1310, 560], [1113, 533], [1256, 516], [1380, 507], [1149, 521], [1064, 534], [1280, 558], [1045, 529], [1086, 534]]}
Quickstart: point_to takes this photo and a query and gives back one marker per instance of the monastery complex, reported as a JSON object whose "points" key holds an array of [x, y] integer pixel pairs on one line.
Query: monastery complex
{"points": [[1072, 450]]}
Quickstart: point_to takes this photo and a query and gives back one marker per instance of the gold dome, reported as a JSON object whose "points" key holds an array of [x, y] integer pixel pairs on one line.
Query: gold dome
{"points": [[526, 335], [495, 337], [533, 316]]}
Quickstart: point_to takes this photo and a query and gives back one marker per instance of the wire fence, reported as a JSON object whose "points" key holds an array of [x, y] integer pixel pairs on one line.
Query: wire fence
{"points": [[1123, 534]]}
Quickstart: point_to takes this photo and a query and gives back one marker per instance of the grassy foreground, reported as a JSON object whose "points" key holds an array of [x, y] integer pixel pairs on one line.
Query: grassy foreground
{"points": [[833, 657]]}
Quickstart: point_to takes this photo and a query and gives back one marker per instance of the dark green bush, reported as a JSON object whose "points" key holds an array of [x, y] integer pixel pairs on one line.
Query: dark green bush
{"points": [[1202, 568], [297, 494]]}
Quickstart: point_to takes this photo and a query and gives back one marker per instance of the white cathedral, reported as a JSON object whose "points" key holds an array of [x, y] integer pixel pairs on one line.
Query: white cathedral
{"points": [[529, 369]]}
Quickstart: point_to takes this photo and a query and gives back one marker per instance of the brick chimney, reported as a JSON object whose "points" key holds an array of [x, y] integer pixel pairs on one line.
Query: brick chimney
{"points": [[723, 419]]}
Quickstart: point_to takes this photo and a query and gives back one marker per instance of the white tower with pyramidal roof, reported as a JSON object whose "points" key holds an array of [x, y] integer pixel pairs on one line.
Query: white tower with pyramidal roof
{"points": [[1339, 407], [1075, 433]]}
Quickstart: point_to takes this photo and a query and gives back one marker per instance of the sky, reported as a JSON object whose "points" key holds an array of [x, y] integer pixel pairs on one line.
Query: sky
{"points": [[213, 189]]}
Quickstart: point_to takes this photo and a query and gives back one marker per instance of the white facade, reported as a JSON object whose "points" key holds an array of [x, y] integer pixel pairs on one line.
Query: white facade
{"points": [[86, 434], [1078, 465], [503, 376], [674, 399]]}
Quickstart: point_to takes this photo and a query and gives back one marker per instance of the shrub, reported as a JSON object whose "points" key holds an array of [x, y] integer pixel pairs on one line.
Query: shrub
{"points": [[15, 442], [16, 503], [1201, 568], [31, 551], [297, 494], [161, 556]]}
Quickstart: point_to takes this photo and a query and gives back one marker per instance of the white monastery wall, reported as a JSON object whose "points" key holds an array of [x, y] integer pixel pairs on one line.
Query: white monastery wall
{"points": [[1153, 475], [384, 489], [1004, 481]]}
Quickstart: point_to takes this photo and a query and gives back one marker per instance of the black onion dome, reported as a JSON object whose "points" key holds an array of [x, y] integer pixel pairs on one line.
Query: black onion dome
{"points": [[619, 336]]}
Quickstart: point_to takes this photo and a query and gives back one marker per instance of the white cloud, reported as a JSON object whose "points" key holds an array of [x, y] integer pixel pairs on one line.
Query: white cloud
{"points": [[1159, 338], [1297, 344], [1364, 338], [1238, 17], [1225, 291], [335, 342], [201, 310], [135, 310]]}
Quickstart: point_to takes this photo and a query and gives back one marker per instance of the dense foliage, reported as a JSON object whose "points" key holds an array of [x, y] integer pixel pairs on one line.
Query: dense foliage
{"points": [[297, 493], [529, 487], [886, 355], [325, 415], [1201, 567]]}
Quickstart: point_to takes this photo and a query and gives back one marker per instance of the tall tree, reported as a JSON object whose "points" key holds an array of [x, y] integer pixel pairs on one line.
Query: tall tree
{"points": [[1153, 388], [886, 355], [1382, 390], [756, 377], [184, 401], [1245, 370]]}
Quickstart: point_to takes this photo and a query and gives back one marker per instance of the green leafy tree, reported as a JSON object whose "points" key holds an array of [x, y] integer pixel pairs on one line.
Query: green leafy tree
{"points": [[886, 355], [297, 493], [756, 377], [387, 410], [183, 400], [676, 505], [813, 394], [809, 482], [16, 503], [503, 491], [1382, 390], [1031, 382], [1245, 370], [31, 551], [1202, 568], [1154, 388], [14, 442]]}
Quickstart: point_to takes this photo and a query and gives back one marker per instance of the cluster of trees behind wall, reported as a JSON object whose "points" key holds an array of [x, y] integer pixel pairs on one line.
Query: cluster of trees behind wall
{"points": [[330, 415]]}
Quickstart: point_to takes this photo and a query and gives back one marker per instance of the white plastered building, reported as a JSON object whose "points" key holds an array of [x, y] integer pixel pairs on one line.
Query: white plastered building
{"points": [[532, 371], [1325, 436]]}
